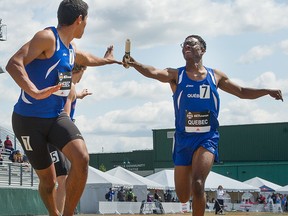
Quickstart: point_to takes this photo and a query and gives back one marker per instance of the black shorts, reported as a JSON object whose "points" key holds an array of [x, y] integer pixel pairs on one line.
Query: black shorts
{"points": [[34, 134], [61, 163]]}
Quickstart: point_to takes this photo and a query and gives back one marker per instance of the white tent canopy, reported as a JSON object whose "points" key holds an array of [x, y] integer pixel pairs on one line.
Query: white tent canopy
{"points": [[212, 182], [282, 190], [140, 184], [259, 182], [96, 176], [165, 177], [98, 184], [229, 184], [133, 178]]}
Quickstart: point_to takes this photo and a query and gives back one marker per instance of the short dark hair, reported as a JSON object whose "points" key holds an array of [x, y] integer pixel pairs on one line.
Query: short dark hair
{"points": [[199, 38], [70, 10]]}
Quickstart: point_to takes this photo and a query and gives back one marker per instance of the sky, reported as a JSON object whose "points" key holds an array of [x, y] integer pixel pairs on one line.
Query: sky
{"points": [[247, 40]]}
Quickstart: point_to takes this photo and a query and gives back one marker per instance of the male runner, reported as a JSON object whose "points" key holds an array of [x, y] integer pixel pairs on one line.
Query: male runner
{"points": [[42, 68], [196, 105]]}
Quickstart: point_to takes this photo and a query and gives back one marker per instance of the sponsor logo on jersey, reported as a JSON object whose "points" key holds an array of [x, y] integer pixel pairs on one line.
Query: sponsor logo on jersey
{"points": [[61, 76], [189, 86]]}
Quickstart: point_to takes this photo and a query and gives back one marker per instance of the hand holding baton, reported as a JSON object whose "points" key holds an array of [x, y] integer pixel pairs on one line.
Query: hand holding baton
{"points": [[127, 53]]}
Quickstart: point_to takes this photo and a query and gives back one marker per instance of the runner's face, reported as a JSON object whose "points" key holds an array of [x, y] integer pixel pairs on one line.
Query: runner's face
{"points": [[191, 43], [81, 27], [191, 48]]}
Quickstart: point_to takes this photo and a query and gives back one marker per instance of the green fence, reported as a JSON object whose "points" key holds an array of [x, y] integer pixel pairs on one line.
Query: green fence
{"points": [[21, 201]]}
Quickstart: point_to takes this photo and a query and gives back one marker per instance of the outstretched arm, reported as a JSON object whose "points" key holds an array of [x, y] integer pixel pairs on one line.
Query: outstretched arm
{"points": [[227, 85], [88, 59], [167, 75]]}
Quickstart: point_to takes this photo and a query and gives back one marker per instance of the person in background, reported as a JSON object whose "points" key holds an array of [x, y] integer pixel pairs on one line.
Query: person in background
{"points": [[121, 195], [284, 202], [273, 197], [149, 198], [1, 159], [278, 199], [16, 156], [168, 196], [130, 195], [156, 196], [8, 144], [111, 195], [42, 68], [219, 204], [261, 199], [196, 108]]}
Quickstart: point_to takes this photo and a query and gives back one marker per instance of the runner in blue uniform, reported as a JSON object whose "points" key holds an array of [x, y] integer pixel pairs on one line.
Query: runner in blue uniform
{"points": [[70, 104], [196, 106], [42, 69], [62, 164]]}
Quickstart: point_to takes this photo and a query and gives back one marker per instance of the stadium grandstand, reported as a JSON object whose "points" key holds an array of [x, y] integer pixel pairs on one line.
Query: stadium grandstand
{"points": [[18, 183], [15, 173]]}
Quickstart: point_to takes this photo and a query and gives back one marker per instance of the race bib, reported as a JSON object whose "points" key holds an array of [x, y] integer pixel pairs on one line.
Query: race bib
{"points": [[204, 92], [64, 78], [197, 122], [54, 156]]}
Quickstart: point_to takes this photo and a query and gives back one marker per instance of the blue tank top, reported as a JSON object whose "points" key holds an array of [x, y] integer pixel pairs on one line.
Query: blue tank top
{"points": [[73, 107], [44, 73], [196, 104]]}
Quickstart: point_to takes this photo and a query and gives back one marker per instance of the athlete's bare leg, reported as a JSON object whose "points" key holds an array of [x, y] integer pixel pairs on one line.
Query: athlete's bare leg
{"points": [[77, 154], [183, 182], [202, 163], [47, 188], [61, 192], [190, 180]]}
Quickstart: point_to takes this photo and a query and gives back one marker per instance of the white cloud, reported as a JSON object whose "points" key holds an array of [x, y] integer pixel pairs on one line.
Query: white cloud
{"points": [[267, 80], [9, 91], [261, 110], [150, 23], [284, 46], [256, 53], [246, 111], [126, 130], [113, 86], [270, 80], [130, 121], [263, 15]]}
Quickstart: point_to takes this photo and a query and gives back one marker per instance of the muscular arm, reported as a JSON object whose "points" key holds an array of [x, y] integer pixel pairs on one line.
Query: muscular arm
{"points": [[38, 47], [88, 59], [228, 86], [168, 75]]}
